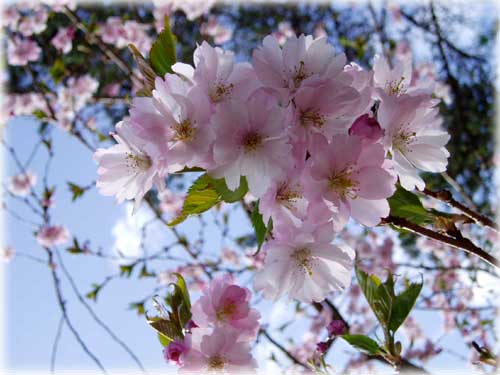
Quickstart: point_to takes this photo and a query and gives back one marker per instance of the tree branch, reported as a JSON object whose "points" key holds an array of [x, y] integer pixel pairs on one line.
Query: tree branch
{"points": [[461, 243]]}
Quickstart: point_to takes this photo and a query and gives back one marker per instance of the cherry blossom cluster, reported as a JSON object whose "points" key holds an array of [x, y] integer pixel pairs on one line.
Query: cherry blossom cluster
{"points": [[319, 141], [220, 332]]}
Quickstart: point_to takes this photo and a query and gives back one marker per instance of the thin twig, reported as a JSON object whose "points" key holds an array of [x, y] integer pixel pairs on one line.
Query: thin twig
{"points": [[94, 315], [55, 345]]}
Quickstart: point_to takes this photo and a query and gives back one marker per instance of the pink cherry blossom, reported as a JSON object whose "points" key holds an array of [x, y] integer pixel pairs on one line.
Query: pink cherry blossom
{"points": [[175, 352], [284, 32], [302, 61], [285, 197], [347, 175], [22, 184], [328, 109], [128, 169], [63, 40], [22, 51], [7, 254], [414, 137], [10, 17], [250, 142], [53, 235], [218, 351], [217, 75], [170, 202], [34, 23], [304, 266], [225, 303], [186, 110]]}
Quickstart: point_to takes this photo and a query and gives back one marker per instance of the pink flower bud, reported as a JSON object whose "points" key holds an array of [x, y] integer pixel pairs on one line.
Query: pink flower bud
{"points": [[367, 128], [322, 347], [173, 353], [336, 328]]}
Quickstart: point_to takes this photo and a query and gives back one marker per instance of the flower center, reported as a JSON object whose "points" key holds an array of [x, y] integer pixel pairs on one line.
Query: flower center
{"points": [[300, 74], [311, 118], [137, 162], [216, 363], [226, 311], [251, 141], [402, 140], [184, 131], [303, 259], [395, 87], [220, 91], [286, 195], [343, 184]]}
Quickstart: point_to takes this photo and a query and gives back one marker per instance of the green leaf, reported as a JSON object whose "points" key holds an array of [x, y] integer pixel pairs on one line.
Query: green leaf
{"points": [[258, 226], [407, 205], [139, 306], [126, 269], [403, 304], [94, 292], [39, 114], [145, 272], [57, 71], [162, 54], [363, 343], [377, 295], [76, 191], [163, 340], [165, 327], [231, 196], [181, 283], [201, 197], [145, 69], [75, 249]]}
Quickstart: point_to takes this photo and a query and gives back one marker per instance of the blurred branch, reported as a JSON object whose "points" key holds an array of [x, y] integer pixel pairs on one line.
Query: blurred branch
{"points": [[283, 349]]}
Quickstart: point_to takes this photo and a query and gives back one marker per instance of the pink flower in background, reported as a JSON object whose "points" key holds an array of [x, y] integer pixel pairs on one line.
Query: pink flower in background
{"points": [[216, 30], [218, 351], [284, 32], [34, 23], [250, 142], [348, 176], [63, 40], [22, 184], [111, 89], [170, 202], [128, 169], [303, 266], [414, 137], [226, 304], [302, 61], [21, 51], [10, 17], [175, 352], [7, 254], [54, 235], [367, 128]]}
